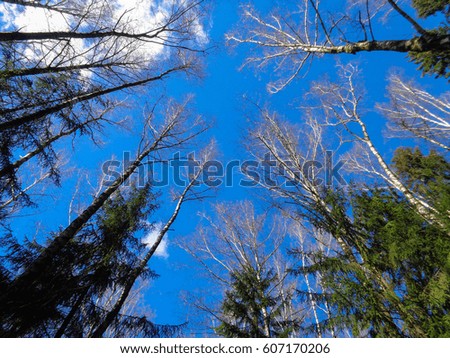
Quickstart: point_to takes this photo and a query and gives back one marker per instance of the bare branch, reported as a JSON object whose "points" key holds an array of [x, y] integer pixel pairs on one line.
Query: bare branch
{"points": [[417, 112]]}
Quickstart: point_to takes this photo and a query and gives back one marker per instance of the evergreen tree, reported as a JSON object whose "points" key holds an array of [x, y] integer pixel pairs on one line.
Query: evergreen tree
{"points": [[436, 61], [95, 263], [427, 175], [427, 8], [22, 96], [250, 310], [399, 284]]}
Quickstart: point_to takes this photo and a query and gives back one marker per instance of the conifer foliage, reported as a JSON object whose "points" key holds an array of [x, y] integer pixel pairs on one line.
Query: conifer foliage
{"points": [[398, 285], [71, 297], [311, 256], [251, 310]]}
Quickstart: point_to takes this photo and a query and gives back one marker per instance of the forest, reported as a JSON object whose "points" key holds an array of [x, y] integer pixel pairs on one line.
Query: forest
{"points": [[197, 168]]}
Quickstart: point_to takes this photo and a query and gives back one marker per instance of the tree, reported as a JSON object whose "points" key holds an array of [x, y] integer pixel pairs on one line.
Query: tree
{"points": [[14, 190], [36, 273], [288, 40], [35, 182], [291, 38], [411, 255], [313, 240], [428, 175], [303, 197], [249, 308], [33, 131], [366, 226], [108, 249], [427, 8], [66, 69], [187, 194], [242, 256], [434, 62], [340, 103], [97, 260], [101, 38]]}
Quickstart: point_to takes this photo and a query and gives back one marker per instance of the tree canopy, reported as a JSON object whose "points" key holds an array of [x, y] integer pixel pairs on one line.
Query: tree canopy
{"points": [[311, 200]]}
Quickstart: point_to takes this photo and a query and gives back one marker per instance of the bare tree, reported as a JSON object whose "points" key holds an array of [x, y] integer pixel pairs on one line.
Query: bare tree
{"points": [[340, 102], [290, 154], [69, 7], [122, 39], [70, 102], [291, 38], [177, 129], [64, 68], [189, 193], [107, 48]]}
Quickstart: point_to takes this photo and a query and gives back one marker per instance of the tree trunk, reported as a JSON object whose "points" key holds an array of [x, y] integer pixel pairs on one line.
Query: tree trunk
{"points": [[84, 97], [61, 330], [419, 44], [31, 277], [44, 70], [101, 329], [11, 168], [67, 35]]}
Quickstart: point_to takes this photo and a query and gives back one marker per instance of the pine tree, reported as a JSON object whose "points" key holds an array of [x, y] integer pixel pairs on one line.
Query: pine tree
{"points": [[435, 62], [427, 8], [95, 263], [399, 284], [250, 310]]}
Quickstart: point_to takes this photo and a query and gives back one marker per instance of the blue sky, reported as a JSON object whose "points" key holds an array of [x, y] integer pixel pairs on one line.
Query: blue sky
{"points": [[220, 97]]}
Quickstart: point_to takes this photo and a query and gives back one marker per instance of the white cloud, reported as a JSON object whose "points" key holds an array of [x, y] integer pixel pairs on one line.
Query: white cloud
{"points": [[150, 238], [35, 19]]}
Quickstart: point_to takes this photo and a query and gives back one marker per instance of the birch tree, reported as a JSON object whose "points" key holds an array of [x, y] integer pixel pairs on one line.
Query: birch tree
{"points": [[289, 39], [341, 104]]}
